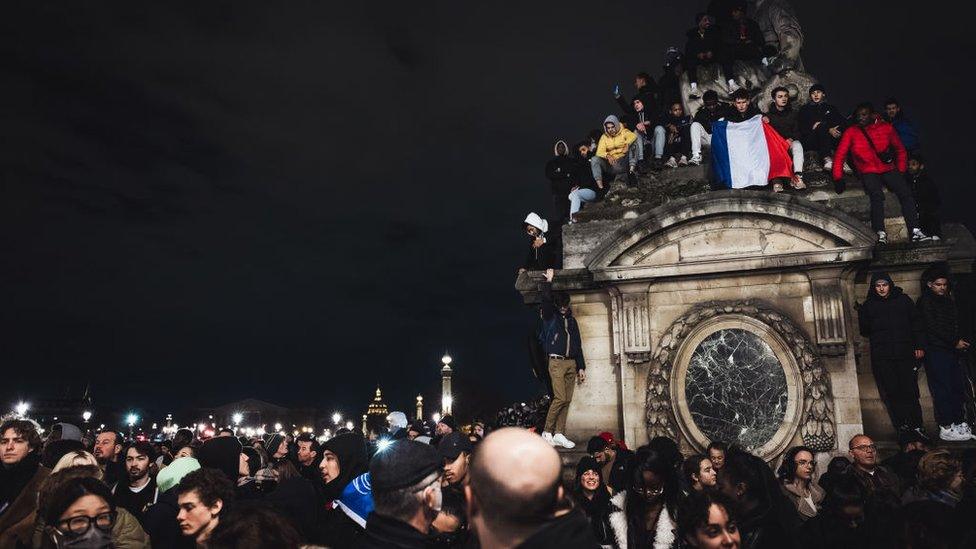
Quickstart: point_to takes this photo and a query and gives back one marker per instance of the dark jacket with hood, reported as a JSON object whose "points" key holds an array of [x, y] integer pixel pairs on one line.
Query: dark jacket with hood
{"points": [[925, 191], [336, 529], [939, 319], [223, 453], [650, 113], [822, 112], [561, 171], [560, 333], [892, 324], [786, 122]]}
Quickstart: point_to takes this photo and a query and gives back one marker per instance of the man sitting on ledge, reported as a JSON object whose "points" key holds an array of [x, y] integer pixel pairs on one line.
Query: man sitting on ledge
{"points": [[617, 153]]}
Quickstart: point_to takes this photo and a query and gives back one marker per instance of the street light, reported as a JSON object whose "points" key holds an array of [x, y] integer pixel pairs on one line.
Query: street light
{"points": [[277, 427], [22, 408], [336, 418], [86, 415], [131, 420], [350, 425], [238, 418], [446, 360], [436, 417]]}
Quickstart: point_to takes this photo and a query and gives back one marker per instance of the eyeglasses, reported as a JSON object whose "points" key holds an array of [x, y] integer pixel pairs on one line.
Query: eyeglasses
{"points": [[865, 447], [79, 525]]}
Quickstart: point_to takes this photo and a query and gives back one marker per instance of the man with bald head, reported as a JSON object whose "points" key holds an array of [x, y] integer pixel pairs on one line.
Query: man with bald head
{"points": [[513, 494], [881, 484]]}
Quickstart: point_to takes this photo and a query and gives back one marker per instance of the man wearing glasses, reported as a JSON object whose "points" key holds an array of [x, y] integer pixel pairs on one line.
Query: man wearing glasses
{"points": [[881, 484]]}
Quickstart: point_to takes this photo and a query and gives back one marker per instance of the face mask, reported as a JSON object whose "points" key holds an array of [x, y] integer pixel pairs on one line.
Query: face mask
{"points": [[94, 538]]}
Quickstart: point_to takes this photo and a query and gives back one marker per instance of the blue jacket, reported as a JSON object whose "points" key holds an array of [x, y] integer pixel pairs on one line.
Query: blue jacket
{"points": [[906, 131], [560, 333]]}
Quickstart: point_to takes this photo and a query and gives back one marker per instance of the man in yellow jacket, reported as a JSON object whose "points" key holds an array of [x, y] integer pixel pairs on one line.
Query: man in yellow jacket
{"points": [[617, 153]]}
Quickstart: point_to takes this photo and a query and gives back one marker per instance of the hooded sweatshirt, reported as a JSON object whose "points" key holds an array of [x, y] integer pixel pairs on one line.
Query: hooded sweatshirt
{"points": [[892, 323], [350, 450], [541, 258], [561, 171], [614, 146]]}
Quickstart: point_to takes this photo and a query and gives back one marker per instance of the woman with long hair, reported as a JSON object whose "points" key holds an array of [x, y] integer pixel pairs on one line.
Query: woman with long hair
{"points": [[593, 497], [643, 514]]}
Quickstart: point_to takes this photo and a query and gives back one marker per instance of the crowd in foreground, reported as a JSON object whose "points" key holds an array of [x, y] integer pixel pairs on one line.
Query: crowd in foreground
{"points": [[450, 489]]}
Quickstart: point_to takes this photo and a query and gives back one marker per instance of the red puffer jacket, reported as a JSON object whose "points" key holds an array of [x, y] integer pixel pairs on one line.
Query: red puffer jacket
{"points": [[865, 160]]}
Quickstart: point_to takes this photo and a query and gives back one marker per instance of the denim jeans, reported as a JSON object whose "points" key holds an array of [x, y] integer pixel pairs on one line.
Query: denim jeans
{"points": [[946, 379], [578, 197]]}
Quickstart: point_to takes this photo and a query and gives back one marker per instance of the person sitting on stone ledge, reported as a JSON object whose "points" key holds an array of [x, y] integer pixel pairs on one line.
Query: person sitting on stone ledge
{"points": [[742, 40], [541, 255], [617, 153], [881, 160], [561, 338], [702, 49], [644, 121], [784, 119], [672, 138], [701, 126], [669, 84], [926, 195], [645, 90], [821, 126], [742, 107], [905, 128], [585, 188]]}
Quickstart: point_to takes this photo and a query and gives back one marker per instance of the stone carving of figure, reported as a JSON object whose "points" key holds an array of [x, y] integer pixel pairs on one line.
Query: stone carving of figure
{"points": [[781, 29]]}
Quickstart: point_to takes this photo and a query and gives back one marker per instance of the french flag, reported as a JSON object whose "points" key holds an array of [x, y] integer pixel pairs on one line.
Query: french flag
{"points": [[749, 153]]}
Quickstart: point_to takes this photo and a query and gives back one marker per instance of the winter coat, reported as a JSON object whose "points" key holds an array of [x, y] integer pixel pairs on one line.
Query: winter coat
{"points": [[802, 506], [570, 531], [19, 487], [939, 319], [865, 157], [883, 487], [621, 470], [127, 533], [541, 258], [892, 324], [733, 115], [826, 530], [697, 43], [561, 171], [647, 96], [614, 147], [664, 534], [786, 122], [560, 333], [337, 530], [906, 131], [383, 532], [706, 117], [822, 112]]}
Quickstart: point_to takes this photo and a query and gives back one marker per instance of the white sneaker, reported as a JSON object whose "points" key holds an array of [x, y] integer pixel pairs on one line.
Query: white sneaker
{"points": [[733, 87], [683, 161], [936, 237], [560, 440], [828, 164], [919, 236], [882, 237], [696, 159], [671, 163], [546, 436], [950, 434], [964, 429], [847, 169]]}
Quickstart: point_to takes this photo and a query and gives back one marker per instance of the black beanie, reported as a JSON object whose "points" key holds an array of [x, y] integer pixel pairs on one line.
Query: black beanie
{"points": [[596, 444], [403, 463], [817, 87], [449, 421], [223, 453]]}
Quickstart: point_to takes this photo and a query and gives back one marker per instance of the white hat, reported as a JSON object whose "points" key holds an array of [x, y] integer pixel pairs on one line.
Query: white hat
{"points": [[536, 221]]}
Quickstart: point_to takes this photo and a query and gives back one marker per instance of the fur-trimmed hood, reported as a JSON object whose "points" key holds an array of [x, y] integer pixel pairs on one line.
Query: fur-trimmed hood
{"points": [[664, 536]]}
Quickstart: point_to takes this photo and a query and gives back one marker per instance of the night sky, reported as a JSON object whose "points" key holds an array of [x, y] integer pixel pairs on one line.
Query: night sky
{"points": [[212, 201]]}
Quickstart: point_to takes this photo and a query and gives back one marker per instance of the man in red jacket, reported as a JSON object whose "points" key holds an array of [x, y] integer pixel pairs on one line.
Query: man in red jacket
{"points": [[881, 159]]}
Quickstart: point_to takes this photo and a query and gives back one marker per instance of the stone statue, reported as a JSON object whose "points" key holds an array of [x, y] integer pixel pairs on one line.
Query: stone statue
{"points": [[783, 67]]}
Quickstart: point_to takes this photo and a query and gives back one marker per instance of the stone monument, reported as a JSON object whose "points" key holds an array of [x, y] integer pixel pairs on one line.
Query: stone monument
{"points": [[731, 314]]}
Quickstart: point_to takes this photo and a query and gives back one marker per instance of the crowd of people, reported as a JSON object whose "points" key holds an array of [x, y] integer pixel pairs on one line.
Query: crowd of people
{"points": [[653, 132], [492, 488]]}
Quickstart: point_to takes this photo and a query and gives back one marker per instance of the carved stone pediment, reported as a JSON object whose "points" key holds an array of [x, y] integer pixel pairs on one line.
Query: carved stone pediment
{"points": [[730, 231]]}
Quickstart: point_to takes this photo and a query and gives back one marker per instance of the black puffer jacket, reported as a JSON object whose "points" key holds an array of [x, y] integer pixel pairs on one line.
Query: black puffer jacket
{"points": [[892, 324], [786, 122], [939, 320], [561, 171], [822, 112]]}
